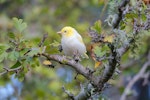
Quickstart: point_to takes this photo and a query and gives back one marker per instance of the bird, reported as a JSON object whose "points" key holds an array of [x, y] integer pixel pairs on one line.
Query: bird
{"points": [[72, 42]]}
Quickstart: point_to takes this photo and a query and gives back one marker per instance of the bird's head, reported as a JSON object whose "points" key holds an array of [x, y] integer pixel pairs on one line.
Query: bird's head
{"points": [[67, 31]]}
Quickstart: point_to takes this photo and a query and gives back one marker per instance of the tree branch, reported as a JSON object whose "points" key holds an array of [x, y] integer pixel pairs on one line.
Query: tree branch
{"points": [[43, 39], [85, 93], [70, 95], [120, 14], [109, 70], [115, 54], [86, 72], [10, 70], [136, 78]]}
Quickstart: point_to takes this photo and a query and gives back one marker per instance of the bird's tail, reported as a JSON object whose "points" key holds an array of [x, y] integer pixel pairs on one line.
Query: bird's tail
{"points": [[85, 56]]}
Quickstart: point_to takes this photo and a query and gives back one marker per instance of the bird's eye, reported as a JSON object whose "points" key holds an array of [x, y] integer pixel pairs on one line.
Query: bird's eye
{"points": [[65, 31]]}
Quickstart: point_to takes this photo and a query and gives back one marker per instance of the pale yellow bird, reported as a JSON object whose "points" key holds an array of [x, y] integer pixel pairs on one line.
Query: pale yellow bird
{"points": [[72, 42]]}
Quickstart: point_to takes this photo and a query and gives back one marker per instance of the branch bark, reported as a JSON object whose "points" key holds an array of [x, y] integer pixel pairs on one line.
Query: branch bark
{"points": [[85, 71], [115, 53], [10, 70], [120, 14]]}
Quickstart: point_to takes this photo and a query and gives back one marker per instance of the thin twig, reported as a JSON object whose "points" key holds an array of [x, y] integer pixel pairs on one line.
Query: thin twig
{"points": [[2, 73], [70, 95], [43, 39], [104, 8], [10, 70]]}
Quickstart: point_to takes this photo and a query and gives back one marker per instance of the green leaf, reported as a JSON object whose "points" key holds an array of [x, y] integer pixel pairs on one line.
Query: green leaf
{"points": [[33, 61], [25, 65], [131, 15], [20, 76], [97, 26], [55, 44], [14, 55], [11, 35], [3, 56], [122, 25], [24, 51], [17, 64], [19, 24], [144, 5], [3, 47], [99, 52], [34, 51], [143, 17]]}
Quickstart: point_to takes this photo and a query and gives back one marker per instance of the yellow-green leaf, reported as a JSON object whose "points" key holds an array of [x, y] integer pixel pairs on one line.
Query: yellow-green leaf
{"points": [[97, 26], [19, 24]]}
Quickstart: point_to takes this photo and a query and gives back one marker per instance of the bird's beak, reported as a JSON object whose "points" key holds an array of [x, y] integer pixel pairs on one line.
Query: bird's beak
{"points": [[59, 32]]}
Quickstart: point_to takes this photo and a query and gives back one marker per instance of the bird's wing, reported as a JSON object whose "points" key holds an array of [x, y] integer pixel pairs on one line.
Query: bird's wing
{"points": [[85, 56], [79, 38]]}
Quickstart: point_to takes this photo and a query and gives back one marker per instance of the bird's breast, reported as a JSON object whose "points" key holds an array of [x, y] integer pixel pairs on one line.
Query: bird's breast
{"points": [[72, 45]]}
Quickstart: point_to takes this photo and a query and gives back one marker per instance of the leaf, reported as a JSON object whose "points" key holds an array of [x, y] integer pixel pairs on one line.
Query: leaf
{"points": [[101, 51], [19, 24], [3, 47], [14, 55], [97, 64], [143, 17], [47, 62], [11, 35], [55, 44], [3, 56], [21, 76], [122, 25], [98, 51], [109, 38], [34, 51], [97, 26], [145, 2], [24, 51], [17, 64], [33, 61], [131, 15], [26, 69]]}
